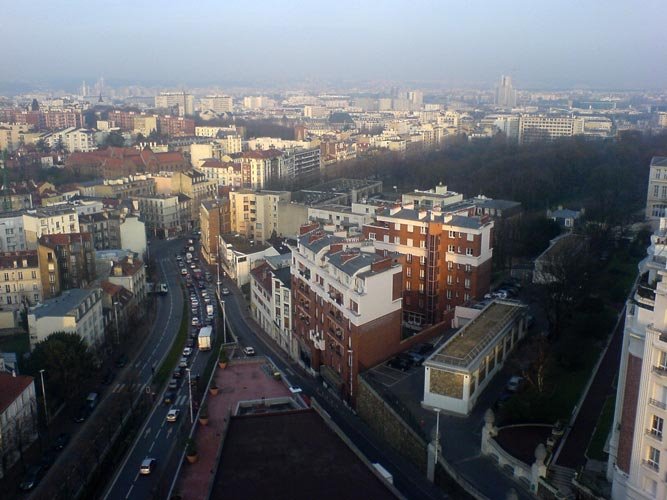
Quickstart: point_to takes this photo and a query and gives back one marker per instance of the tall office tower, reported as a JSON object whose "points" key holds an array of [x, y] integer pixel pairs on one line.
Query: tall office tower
{"points": [[505, 93], [637, 466]]}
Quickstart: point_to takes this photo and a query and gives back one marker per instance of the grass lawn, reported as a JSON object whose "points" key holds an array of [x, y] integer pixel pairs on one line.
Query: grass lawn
{"points": [[602, 431], [176, 351]]}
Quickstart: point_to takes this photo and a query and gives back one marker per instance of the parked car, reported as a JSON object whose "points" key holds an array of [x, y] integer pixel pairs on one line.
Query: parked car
{"points": [[183, 363], [177, 373], [187, 351], [404, 356], [147, 466], [417, 359], [249, 351], [32, 477], [399, 364], [173, 384], [61, 441], [225, 291], [424, 348]]}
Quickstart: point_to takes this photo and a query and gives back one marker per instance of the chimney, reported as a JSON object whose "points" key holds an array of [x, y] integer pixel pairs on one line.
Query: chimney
{"points": [[422, 214], [394, 210], [130, 259]]}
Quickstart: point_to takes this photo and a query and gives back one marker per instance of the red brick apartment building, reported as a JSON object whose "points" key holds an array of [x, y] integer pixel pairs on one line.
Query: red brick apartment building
{"points": [[447, 253], [346, 302]]}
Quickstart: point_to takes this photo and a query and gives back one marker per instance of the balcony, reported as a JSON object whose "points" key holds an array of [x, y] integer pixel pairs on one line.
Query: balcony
{"points": [[660, 371], [657, 404], [654, 433]]}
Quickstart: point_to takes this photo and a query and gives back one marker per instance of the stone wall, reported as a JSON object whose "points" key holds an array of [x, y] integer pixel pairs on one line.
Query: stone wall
{"points": [[389, 426]]}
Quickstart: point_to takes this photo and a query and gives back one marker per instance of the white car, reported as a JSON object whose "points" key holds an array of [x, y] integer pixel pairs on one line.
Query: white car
{"points": [[184, 271], [195, 321], [249, 351], [225, 291], [172, 415], [187, 351], [147, 466], [183, 363]]}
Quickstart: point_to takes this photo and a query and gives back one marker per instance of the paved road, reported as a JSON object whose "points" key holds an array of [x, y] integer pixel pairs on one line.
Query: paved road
{"points": [[158, 438]]}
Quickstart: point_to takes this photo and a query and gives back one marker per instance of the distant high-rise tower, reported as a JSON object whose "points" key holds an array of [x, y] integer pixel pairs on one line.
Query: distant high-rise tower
{"points": [[505, 93]]}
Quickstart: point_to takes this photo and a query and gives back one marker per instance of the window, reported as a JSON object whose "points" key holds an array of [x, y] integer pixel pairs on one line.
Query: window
{"points": [[371, 236], [408, 258], [450, 265], [397, 240], [656, 191], [422, 230], [470, 237], [386, 238], [653, 460], [657, 174], [421, 273], [452, 234], [449, 294], [466, 297], [656, 426], [450, 280], [410, 242], [8, 288], [662, 360], [408, 272], [468, 251], [422, 244], [468, 268], [397, 227], [664, 191], [466, 283], [408, 286], [450, 248], [422, 260], [411, 228], [421, 287]]}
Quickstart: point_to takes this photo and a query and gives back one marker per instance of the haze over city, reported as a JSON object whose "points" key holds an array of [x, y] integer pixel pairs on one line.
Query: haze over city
{"points": [[594, 44]]}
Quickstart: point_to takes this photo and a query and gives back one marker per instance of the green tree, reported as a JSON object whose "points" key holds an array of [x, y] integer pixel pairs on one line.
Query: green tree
{"points": [[42, 147], [67, 361], [114, 139]]}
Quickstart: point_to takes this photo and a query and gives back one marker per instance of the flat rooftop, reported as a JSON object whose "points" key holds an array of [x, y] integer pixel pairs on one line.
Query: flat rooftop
{"points": [[291, 455], [473, 337]]}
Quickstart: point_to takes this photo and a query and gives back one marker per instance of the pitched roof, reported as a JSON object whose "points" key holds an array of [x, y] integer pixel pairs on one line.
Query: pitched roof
{"points": [[11, 388]]}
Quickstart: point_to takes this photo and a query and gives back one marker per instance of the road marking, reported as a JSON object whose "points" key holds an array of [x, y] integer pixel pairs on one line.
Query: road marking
{"points": [[118, 388], [148, 431], [158, 433], [150, 450], [129, 491], [169, 431]]}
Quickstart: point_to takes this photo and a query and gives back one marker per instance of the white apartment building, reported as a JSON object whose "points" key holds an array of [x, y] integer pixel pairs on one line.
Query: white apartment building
{"points": [[637, 464], [12, 235], [184, 102], [133, 234], [130, 273], [161, 214], [55, 219], [238, 256], [341, 217], [222, 173], [656, 196], [18, 418], [76, 310], [271, 301], [540, 128], [73, 139], [217, 103], [14, 135], [210, 131]]}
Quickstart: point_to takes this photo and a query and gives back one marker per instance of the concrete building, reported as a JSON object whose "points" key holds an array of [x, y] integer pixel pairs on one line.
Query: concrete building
{"points": [[18, 418], [258, 214], [195, 186], [341, 217], [533, 128], [505, 93], [302, 163], [448, 258], [238, 256], [656, 196], [162, 215], [175, 126], [15, 135], [458, 371], [74, 257], [76, 311], [222, 173], [125, 187], [217, 103], [12, 234], [144, 124], [259, 167], [637, 466], [347, 307], [130, 273], [132, 233], [73, 139], [183, 103], [55, 219], [439, 197], [271, 301], [20, 280]]}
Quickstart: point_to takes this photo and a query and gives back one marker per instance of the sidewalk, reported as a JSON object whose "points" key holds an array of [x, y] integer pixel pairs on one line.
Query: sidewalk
{"points": [[241, 380]]}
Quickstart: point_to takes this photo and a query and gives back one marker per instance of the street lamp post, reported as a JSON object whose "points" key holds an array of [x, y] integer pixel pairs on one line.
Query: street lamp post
{"points": [[224, 323], [437, 435], [190, 395], [115, 313], [46, 410]]}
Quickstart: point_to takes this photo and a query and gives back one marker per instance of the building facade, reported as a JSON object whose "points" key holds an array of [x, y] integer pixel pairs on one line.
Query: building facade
{"points": [[195, 186], [656, 196], [347, 307], [18, 418], [20, 280], [74, 256], [76, 311]]}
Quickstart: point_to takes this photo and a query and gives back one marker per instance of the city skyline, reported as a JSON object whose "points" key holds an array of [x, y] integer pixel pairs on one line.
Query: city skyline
{"points": [[540, 46]]}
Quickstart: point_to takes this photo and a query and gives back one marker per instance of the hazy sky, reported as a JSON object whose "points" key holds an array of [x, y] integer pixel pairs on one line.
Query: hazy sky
{"points": [[604, 44]]}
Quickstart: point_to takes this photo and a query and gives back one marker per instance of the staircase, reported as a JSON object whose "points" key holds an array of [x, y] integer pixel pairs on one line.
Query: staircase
{"points": [[561, 477]]}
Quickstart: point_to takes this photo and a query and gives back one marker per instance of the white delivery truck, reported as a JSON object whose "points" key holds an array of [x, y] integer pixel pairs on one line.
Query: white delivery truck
{"points": [[205, 340]]}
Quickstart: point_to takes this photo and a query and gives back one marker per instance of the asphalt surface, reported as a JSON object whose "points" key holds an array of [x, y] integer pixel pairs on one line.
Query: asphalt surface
{"points": [[158, 438]]}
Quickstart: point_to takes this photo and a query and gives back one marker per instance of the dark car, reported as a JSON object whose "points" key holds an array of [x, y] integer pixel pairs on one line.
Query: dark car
{"points": [[169, 397], [32, 477], [406, 358], [177, 373], [61, 441], [417, 359], [82, 414], [425, 348], [399, 364], [121, 361]]}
